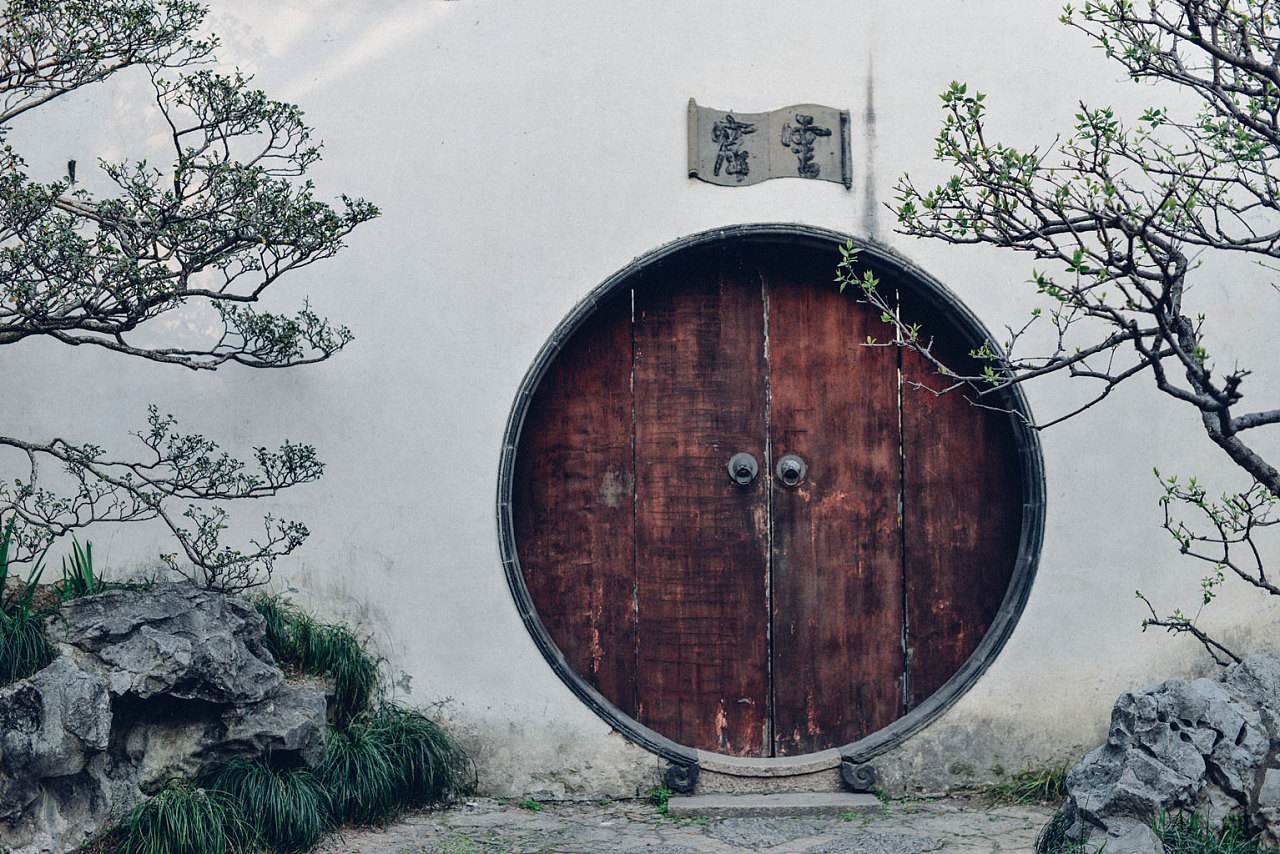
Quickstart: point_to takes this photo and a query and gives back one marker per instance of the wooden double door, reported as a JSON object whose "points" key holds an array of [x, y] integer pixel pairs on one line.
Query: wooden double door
{"points": [[792, 611]]}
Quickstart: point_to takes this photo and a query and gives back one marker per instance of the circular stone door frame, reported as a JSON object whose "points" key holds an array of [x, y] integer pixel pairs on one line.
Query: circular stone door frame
{"points": [[855, 756]]}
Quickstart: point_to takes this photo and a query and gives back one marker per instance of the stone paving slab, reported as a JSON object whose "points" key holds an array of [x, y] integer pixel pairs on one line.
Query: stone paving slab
{"points": [[781, 805], [486, 826]]}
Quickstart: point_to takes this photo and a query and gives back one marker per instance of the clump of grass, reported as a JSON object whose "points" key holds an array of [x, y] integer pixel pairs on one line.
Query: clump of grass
{"points": [[660, 797], [333, 650], [1178, 834], [288, 808], [105, 843], [278, 617], [359, 774], [185, 819], [429, 766], [24, 648], [1032, 786], [387, 760], [1193, 834], [531, 805], [322, 649], [78, 576], [378, 760], [1053, 838]]}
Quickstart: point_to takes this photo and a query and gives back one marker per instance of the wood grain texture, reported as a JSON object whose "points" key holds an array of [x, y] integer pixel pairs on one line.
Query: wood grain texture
{"points": [[837, 558], [573, 503], [761, 620], [963, 514], [701, 540]]}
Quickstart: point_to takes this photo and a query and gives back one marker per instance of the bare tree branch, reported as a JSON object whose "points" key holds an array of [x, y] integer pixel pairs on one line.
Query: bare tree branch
{"points": [[228, 213], [1116, 216]]}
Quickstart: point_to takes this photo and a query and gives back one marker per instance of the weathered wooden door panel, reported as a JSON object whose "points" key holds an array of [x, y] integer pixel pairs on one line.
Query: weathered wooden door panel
{"points": [[701, 540], [573, 507], [837, 556], [763, 619], [962, 513]]}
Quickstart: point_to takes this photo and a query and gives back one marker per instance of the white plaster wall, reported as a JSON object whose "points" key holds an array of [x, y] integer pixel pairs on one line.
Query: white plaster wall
{"points": [[522, 152]]}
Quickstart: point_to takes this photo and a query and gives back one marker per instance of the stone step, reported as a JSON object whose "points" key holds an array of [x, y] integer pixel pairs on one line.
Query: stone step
{"points": [[784, 804]]}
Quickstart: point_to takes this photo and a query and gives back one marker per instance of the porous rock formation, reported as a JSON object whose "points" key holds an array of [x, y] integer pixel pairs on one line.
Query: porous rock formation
{"points": [[149, 684], [1206, 745]]}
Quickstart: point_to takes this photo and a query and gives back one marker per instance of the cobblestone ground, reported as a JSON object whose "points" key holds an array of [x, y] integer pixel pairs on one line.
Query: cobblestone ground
{"points": [[634, 827]]}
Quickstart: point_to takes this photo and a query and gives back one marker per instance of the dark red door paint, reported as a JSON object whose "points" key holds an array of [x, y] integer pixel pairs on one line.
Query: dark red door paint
{"points": [[760, 619]]}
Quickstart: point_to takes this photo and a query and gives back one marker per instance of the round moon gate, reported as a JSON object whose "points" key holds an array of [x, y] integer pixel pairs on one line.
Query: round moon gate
{"points": [[733, 526]]}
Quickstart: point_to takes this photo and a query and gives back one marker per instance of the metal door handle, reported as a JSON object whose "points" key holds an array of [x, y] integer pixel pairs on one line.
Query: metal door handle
{"points": [[743, 469], [791, 469]]}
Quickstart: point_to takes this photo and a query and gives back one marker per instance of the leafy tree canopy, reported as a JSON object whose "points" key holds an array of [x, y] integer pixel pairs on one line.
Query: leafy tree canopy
{"points": [[228, 213]]}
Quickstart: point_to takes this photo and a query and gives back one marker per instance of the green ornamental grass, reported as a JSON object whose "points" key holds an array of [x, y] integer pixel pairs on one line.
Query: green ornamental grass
{"points": [[78, 576], [1179, 834], [429, 765], [334, 651], [23, 647], [359, 774], [1053, 838], [1192, 834], [321, 649], [287, 807], [378, 760], [278, 616], [387, 760], [186, 819]]}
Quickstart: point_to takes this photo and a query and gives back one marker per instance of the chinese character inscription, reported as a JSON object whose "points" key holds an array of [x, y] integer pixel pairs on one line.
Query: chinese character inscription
{"points": [[728, 133], [800, 140], [736, 149]]}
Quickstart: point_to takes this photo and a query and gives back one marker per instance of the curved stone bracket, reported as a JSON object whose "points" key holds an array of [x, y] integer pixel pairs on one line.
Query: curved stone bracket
{"points": [[681, 779], [858, 776]]}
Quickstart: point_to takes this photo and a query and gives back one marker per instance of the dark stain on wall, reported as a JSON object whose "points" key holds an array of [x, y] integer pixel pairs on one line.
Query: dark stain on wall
{"points": [[870, 203]]}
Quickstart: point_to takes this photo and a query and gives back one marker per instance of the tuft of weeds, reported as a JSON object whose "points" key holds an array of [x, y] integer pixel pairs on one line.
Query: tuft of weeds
{"points": [[288, 808], [1192, 834], [379, 759], [464, 845], [531, 805], [322, 649], [660, 796], [1032, 786], [185, 819]]}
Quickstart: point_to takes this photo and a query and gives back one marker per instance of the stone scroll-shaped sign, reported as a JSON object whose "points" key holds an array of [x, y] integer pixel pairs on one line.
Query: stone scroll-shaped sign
{"points": [[800, 141]]}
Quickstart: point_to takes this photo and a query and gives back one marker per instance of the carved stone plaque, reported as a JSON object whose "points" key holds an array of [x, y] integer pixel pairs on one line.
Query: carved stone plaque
{"points": [[800, 141]]}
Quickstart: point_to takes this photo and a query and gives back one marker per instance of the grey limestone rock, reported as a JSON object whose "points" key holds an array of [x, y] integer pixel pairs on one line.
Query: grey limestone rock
{"points": [[194, 735], [50, 726], [58, 783], [149, 684], [1205, 745], [171, 639]]}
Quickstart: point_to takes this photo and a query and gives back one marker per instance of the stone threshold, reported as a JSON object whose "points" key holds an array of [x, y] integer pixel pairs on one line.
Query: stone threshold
{"points": [[783, 804]]}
